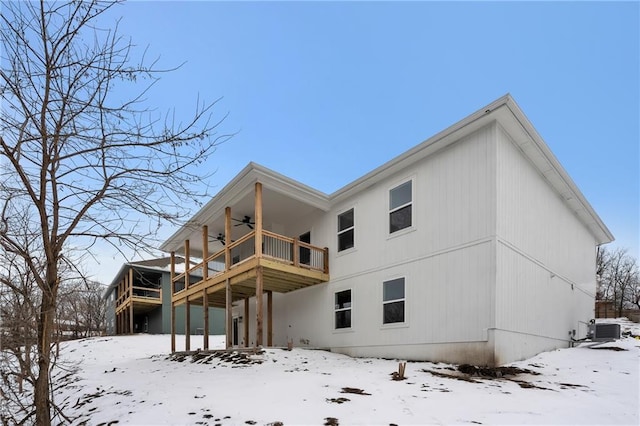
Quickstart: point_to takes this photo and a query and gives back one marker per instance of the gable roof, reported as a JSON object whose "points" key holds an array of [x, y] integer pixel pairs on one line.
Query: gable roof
{"points": [[503, 110]]}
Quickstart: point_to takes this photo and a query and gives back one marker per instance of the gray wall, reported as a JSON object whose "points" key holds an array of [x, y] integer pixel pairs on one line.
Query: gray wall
{"points": [[216, 315], [110, 315]]}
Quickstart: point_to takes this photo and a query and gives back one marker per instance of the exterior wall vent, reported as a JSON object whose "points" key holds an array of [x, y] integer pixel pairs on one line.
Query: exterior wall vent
{"points": [[602, 332]]}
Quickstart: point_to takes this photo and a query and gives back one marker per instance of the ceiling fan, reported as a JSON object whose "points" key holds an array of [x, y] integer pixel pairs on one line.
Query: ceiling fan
{"points": [[245, 221], [220, 237]]}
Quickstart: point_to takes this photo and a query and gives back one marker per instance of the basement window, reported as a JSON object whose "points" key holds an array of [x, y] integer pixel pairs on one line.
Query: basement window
{"points": [[393, 299], [343, 309], [346, 229], [400, 205]]}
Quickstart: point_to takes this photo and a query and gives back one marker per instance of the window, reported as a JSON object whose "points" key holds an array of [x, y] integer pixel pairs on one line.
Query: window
{"points": [[343, 309], [345, 230], [400, 207], [393, 301]]}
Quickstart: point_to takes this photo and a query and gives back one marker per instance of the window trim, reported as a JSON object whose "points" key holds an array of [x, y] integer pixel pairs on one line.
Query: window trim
{"points": [[336, 310], [404, 321], [339, 232], [411, 204]]}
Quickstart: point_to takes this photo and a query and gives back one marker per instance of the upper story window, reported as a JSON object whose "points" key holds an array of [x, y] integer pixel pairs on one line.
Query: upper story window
{"points": [[400, 205], [346, 230], [343, 309], [393, 299]]}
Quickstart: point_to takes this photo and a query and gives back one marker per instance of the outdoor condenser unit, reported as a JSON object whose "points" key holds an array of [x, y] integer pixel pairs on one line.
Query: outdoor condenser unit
{"points": [[602, 332]]}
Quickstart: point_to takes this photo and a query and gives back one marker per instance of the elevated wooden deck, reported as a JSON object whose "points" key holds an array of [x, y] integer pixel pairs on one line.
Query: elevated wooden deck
{"points": [[283, 270], [134, 300], [259, 262]]}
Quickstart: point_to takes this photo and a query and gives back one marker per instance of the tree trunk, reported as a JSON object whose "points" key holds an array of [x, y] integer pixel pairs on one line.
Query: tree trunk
{"points": [[45, 326]]}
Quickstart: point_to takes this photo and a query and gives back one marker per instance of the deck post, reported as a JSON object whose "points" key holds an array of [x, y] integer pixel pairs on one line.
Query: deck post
{"points": [[227, 238], [187, 264], [205, 252], [228, 315], [131, 300], [187, 325], [325, 259], [187, 306], [173, 308], [269, 318], [205, 310], [246, 322], [259, 286], [296, 252], [258, 220], [173, 327]]}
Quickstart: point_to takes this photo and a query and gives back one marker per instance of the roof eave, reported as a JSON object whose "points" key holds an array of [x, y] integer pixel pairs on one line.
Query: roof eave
{"points": [[237, 188]]}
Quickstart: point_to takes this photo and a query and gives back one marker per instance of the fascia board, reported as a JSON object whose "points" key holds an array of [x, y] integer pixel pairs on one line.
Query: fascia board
{"points": [[292, 188], [241, 185], [506, 112], [428, 147], [539, 153], [209, 209]]}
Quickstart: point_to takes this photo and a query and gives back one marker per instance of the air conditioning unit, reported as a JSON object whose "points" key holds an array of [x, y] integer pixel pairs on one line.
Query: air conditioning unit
{"points": [[603, 332]]}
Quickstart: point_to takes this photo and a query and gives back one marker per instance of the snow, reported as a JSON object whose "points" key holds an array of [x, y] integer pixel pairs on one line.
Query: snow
{"points": [[132, 380]]}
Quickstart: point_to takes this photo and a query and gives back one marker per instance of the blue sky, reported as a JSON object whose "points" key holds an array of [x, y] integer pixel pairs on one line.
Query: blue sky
{"points": [[324, 92]]}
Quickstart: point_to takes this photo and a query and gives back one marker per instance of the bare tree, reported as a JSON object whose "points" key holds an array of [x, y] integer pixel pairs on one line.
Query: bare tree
{"points": [[618, 278], [19, 299], [86, 165], [81, 311]]}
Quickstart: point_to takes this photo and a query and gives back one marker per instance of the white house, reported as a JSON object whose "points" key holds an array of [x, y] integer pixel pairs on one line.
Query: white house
{"points": [[475, 247]]}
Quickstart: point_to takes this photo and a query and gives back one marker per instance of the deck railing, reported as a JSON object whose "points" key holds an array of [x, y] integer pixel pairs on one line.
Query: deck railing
{"points": [[274, 246], [150, 293]]}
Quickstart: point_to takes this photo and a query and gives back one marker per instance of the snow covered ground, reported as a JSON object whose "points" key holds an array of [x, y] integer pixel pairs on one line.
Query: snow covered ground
{"points": [[131, 380]]}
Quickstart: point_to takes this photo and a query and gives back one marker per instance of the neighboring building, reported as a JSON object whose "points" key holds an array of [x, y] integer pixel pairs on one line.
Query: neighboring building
{"points": [[607, 309], [473, 247], [139, 301]]}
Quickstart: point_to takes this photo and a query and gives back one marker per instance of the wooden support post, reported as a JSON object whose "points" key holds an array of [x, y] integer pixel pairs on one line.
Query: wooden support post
{"points": [[246, 322], [325, 260], [172, 288], [131, 282], [205, 252], [187, 264], [259, 286], [269, 318], [296, 252], [187, 325], [229, 315], [205, 311], [131, 300], [173, 327], [227, 238], [258, 220]]}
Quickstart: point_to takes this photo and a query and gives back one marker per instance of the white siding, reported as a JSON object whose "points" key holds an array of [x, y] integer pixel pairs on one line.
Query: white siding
{"points": [[534, 218], [453, 205], [545, 260], [446, 258], [496, 266]]}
